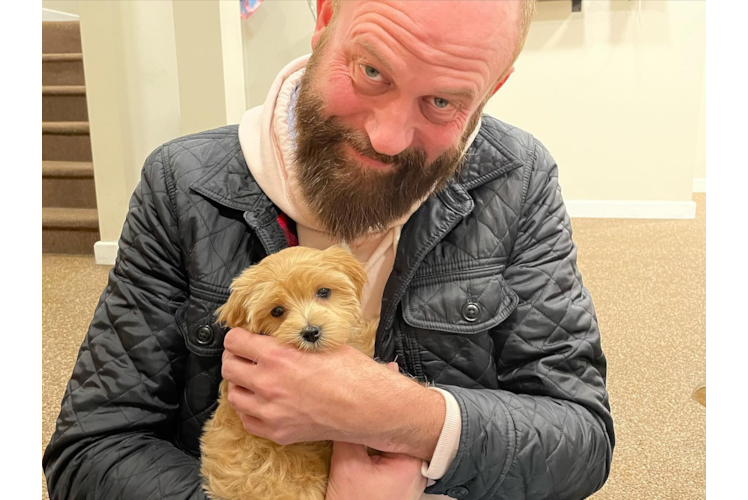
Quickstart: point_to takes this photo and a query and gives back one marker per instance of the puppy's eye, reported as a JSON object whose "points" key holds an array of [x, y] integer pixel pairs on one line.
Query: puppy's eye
{"points": [[324, 293], [277, 312]]}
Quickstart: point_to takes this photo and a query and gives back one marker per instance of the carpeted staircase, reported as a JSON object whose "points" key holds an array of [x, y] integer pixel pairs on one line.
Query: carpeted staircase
{"points": [[70, 222]]}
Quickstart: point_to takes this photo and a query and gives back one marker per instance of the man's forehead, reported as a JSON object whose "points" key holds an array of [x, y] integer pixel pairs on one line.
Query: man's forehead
{"points": [[483, 27]]}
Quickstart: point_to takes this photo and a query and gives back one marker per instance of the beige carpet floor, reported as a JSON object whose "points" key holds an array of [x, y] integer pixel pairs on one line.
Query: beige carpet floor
{"points": [[648, 282]]}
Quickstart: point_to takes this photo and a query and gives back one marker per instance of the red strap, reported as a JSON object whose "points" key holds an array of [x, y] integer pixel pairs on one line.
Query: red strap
{"points": [[291, 238]]}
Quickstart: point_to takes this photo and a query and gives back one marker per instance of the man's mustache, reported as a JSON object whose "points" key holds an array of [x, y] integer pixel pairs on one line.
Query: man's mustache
{"points": [[363, 146]]}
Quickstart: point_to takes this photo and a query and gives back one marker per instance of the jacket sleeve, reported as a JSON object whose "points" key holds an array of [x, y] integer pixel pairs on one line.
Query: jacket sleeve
{"points": [[114, 435], [548, 431]]}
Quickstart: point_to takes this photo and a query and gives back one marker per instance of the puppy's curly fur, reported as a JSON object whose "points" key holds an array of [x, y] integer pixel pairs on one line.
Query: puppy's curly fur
{"points": [[237, 465]]}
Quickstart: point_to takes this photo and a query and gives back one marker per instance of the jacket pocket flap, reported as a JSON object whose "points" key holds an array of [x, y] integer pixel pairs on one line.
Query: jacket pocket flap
{"points": [[196, 321], [466, 302]]}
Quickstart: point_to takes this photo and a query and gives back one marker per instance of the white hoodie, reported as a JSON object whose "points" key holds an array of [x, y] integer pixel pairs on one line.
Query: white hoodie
{"points": [[265, 137]]}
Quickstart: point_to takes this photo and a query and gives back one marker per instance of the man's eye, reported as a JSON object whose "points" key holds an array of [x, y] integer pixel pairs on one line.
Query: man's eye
{"points": [[277, 312], [440, 103], [371, 72]]}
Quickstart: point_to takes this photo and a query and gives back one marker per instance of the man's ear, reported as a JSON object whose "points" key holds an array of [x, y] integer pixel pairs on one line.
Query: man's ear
{"points": [[503, 80], [324, 14]]}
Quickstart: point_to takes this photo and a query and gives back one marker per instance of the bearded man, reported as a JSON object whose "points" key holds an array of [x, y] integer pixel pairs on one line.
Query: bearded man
{"points": [[377, 141]]}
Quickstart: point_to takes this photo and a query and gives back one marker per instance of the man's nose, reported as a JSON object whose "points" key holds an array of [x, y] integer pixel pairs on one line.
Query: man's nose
{"points": [[390, 130]]}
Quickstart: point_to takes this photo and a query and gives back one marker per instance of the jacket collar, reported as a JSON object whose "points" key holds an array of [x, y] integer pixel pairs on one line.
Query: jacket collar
{"points": [[230, 183]]}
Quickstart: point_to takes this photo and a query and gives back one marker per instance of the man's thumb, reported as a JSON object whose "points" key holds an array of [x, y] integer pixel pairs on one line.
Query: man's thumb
{"points": [[393, 367], [349, 451]]}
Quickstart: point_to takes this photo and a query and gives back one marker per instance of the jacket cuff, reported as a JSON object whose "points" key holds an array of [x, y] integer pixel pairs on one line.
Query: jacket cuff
{"points": [[449, 440]]}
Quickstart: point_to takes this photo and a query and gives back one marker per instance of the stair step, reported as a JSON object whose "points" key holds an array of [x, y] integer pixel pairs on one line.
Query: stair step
{"points": [[63, 90], [64, 107], [62, 57], [69, 230], [65, 128], [62, 69], [61, 36], [70, 218], [67, 184], [68, 169], [60, 147], [68, 192]]}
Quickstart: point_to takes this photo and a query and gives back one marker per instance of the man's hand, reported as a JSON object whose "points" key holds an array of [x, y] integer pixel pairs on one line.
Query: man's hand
{"points": [[389, 476], [288, 396], [355, 474]]}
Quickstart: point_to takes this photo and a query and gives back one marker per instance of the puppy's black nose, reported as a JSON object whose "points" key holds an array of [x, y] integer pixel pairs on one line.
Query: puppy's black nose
{"points": [[311, 333]]}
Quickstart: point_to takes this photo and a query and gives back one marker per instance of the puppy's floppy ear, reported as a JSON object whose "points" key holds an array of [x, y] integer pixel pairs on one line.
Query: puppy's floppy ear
{"points": [[344, 261], [235, 312]]}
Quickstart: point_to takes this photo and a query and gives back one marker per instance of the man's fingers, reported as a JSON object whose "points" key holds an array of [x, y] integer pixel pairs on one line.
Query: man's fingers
{"points": [[393, 367], [253, 425], [248, 345], [243, 401], [405, 463], [238, 370], [349, 452]]}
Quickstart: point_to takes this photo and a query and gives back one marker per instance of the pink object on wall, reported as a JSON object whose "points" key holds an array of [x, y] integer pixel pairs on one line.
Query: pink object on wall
{"points": [[249, 7]]}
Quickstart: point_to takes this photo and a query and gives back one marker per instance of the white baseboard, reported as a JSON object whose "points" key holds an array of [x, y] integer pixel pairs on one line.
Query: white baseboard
{"points": [[105, 252], [625, 209], [702, 185]]}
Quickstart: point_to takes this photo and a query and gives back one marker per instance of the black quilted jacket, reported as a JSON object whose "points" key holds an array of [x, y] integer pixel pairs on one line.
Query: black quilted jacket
{"points": [[485, 300]]}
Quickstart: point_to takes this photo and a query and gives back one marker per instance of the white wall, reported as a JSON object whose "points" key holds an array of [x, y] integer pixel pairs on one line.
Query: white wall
{"points": [[53, 15], [197, 27], [614, 93], [141, 60], [700, 171], [66, 6], [232, 51], [132, 93], [275, 35]]}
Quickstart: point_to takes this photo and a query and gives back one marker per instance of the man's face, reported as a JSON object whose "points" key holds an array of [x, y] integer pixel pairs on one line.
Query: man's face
{"points": [[390, 95]]}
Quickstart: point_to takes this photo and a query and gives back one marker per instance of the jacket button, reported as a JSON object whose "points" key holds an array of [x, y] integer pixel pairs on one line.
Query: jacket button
{"points": [[470, 311], [204, 335], [457, 492]]}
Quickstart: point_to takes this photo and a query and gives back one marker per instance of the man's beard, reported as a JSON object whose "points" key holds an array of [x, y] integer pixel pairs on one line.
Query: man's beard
{"points": [[351, 200]]}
